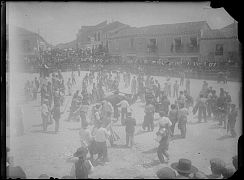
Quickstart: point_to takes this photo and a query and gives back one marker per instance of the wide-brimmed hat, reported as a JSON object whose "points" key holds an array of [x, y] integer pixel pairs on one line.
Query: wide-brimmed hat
{"points": [[166, 173], [184, 166], [80, 152]]}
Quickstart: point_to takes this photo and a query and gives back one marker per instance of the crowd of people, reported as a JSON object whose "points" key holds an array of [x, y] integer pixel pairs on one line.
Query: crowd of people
{"points": [[68, 58], [183, 169], [98, 129]]}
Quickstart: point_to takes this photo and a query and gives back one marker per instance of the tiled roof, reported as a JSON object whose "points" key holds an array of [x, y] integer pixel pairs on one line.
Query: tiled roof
{"points": [[178, 28], [217, 34]]}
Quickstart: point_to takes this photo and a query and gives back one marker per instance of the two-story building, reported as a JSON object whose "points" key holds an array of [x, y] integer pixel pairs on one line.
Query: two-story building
{"points": [[96, 36], [170, 42], [220, 44], [26, 43]]}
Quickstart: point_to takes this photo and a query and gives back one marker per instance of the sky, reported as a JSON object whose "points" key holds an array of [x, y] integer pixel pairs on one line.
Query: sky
{"points": [[59, 22]]}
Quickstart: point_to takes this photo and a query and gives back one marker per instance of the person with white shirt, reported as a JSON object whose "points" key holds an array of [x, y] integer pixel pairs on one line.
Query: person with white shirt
{"points": [[124, 108], [164, 134], [101, 134], [45, 114]]}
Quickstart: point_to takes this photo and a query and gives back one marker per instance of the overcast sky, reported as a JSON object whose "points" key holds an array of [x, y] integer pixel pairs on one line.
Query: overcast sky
{"points": [[59, 22]]}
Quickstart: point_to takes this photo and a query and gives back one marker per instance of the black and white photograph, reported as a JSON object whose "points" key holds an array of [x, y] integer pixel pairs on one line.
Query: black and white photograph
{"points": [[122, 90]]}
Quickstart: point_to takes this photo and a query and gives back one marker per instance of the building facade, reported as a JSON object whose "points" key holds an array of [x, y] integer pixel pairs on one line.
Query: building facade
{"points": [[220, 45], [94, 37], [168, 42]]}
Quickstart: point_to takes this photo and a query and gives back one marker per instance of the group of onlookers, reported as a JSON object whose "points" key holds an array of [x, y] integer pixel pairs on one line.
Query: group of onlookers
{"points": [[183, 169]]}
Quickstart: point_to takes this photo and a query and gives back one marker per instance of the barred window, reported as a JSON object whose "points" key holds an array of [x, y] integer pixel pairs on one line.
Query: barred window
{"points": [[219, 50]]}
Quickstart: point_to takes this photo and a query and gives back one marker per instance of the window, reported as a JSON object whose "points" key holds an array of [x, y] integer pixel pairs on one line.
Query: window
{"points": [[177, 43], [131, 42], [152, 46], [98, 36], [219, 50], [193, 42]]}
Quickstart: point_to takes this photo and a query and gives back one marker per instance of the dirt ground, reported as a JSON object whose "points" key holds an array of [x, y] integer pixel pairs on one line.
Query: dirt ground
{"points": [[37, 152]]}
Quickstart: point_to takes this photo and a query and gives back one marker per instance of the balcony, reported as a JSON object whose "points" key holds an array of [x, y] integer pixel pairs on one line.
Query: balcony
{"points": [[152, 49]]}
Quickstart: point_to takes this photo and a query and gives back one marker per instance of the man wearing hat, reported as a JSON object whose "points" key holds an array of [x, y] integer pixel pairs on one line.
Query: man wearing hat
{"points": [[201, 106], [82, 167], [149, 117], [184, 168], [182, 118], [166, 173], [130, 124], [216, 165]]}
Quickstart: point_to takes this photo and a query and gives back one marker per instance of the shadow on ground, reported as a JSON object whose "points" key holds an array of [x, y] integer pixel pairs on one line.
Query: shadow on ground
{"points": [[37, 125], [118, 146], [74, 129], [140, 132], [41, 131], [224, 137], [215, 126], [175, 137], [150, 151], [151, 164]]}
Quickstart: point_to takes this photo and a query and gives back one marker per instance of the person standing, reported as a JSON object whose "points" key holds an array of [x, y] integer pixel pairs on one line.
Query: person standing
{"points": [[149, 117], [188, 84], [34, 91], [69, 85], [82, 167], [182, 118], [182, 77], [73, 77], [164, 134], [133, 86], [45, 114], [181, 100], [56, 109], [173, 117], [221, 109], [101, 134], [169, 87], [50, 94], [37, 83], [130, 124], [201, 106], [176, 89], [78, 70], [83, 111], [232, 120], [165, 104], [124, 108]]}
